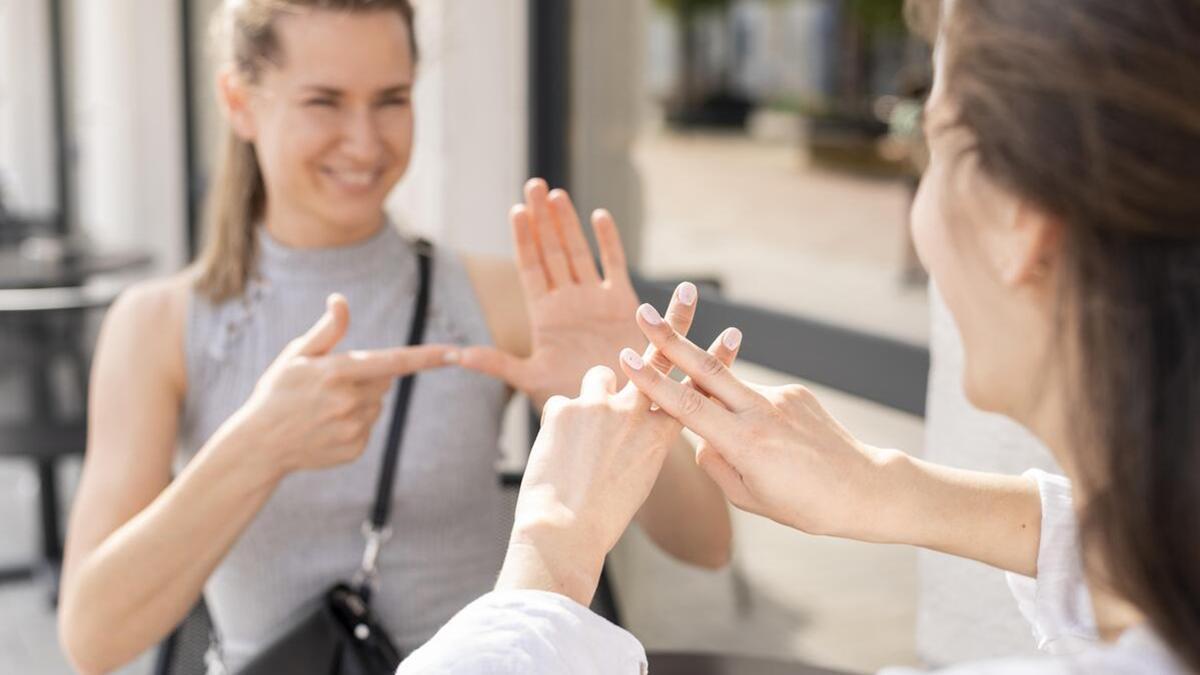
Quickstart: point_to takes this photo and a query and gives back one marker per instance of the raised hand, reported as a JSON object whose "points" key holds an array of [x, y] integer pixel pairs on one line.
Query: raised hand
{"points": [[313, 409], [578, 318], [774, 451], [592, 467]]}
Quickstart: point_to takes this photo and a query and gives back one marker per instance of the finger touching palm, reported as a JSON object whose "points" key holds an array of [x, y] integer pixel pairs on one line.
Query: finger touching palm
{"points": [[580, 316]]}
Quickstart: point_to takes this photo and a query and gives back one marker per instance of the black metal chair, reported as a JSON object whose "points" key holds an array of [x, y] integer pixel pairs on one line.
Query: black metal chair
{"points": [[43, 332]]}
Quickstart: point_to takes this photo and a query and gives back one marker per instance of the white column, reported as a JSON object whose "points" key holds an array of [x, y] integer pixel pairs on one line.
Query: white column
{"points": [[130, 126], [470, 156], [27, 152], [607, 91]]}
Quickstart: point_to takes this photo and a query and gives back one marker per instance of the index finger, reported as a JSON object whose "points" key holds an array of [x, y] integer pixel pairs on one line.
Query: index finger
{"points": [[705, 370], [529, 257], [688, 406], [680, 314], [393, 362]]}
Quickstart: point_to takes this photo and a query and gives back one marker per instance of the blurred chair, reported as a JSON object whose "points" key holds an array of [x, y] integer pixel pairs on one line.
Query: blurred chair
{"points": [[185, 650], [42, 332]]}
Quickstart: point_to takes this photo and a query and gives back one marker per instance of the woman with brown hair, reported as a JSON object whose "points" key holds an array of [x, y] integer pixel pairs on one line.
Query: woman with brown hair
{"points": [[1060, 218], [234, 444]]}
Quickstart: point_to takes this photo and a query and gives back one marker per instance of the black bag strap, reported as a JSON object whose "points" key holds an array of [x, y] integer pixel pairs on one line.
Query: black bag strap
{"points": [[376, 528]]}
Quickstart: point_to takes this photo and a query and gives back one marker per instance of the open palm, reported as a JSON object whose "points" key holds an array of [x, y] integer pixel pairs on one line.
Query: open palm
{"points": [[579, 319]]}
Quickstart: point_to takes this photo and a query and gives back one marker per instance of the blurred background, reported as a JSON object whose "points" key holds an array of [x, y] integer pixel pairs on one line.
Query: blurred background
{"points": [[768, 149]]}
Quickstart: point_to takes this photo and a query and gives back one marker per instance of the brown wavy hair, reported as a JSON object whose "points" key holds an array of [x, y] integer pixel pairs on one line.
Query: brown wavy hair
{"points": [[1091, 110], [246, 41]]}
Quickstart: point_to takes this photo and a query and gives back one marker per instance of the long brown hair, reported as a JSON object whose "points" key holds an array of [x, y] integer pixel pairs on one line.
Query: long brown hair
{"points": [[244, 33], [1091, 110]]}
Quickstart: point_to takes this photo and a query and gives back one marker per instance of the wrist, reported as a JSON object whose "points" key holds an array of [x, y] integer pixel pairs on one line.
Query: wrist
{"points": [[912, 504], [888, 487], [238, 448], [544, 558]]}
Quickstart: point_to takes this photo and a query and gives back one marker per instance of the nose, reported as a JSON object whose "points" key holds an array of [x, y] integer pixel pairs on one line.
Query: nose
{"points": [[361, 140]]}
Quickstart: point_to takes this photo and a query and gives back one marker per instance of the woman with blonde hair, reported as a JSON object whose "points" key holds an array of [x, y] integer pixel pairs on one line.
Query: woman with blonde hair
{"points": [[236, 431]]}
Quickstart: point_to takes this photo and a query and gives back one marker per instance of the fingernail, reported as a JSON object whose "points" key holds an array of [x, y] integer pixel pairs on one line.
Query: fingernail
{"points": [[650, 315], [453, 357], [687, 293], [732, 338], [632, 359]]}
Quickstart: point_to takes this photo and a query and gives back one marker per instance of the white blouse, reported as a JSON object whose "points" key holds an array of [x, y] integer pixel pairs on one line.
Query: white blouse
{"points": [[535, 632]]}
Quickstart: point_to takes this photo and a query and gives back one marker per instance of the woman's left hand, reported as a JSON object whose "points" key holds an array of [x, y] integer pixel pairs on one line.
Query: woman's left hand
{"points": [[579, 319]]}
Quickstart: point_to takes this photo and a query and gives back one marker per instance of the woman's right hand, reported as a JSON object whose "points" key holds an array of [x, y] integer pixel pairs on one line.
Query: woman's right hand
{"points": [[313, 409], [774, 451]]}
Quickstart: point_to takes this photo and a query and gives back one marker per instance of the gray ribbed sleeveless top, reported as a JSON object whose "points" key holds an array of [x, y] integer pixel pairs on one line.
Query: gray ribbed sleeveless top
{"points": [[450, 518]]}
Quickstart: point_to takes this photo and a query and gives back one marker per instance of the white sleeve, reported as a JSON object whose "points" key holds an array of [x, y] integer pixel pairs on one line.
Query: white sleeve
{"points": [[1056, 604], [531, 633]]}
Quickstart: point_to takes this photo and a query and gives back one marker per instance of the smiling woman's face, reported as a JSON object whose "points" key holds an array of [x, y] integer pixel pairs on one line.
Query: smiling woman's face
{"points": [[332, 121]]}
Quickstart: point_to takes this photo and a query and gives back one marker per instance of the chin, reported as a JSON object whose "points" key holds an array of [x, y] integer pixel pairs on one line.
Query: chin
{"points": [[980, 392], [353, 217]]}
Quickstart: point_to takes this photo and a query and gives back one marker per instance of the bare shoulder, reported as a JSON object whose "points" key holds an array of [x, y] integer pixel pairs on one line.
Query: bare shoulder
{"points": [[146, 325], [498, 288]]}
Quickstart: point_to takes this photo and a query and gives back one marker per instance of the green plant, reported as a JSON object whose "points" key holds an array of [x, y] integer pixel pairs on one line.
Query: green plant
{"points": [[878, 15], [691, 6]]}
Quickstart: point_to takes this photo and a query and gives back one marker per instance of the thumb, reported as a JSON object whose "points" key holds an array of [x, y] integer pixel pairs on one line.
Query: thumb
{"points": [[328, 331], [495, 363]]}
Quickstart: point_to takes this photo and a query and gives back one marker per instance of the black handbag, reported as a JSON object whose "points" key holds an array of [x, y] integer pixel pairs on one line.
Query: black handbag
{"points": [[342, 636]]}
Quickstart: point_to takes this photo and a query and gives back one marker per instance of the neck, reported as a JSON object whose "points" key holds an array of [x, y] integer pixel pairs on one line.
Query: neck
{"points": [[1054, 424], [299, 230]]}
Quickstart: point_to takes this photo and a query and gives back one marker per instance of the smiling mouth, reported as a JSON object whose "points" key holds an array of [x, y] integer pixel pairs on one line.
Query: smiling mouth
{"points": [[354, 180]]}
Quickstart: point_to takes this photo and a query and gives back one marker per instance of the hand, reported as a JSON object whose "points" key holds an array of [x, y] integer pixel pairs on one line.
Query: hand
{"points": [[578, 318], [591, 468], [774, 451], [312, 409]]}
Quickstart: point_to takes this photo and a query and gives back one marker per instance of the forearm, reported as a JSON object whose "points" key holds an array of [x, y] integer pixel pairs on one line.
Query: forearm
{"points": [[994, 519], [686, 514], [539, 559], [133, 588]]}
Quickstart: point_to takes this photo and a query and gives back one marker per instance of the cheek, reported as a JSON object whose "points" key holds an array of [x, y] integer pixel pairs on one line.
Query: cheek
{"points": [[288, 147], [928, 227], [397, 132]]}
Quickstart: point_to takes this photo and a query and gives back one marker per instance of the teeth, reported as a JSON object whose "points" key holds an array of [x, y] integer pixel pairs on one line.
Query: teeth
{"points": [[354, 178]]}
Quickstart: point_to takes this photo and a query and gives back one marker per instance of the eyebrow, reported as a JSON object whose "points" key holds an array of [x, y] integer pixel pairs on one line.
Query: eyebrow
{"points": [[326, 90]]}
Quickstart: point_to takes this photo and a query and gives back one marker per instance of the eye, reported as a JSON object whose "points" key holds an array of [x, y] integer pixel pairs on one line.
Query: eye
{"points": [[320, 103], [395, 101]]}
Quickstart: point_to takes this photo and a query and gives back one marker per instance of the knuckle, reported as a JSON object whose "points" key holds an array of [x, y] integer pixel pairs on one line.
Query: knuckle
{"points": [[327, 374], [755, 435], [690, 401], [600, 372], [797, 392], [554, 408], [365, 426], [347, 433], [343, 405], [711, 365]]}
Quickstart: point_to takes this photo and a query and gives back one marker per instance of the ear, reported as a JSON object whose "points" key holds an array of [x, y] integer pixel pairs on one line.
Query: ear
{"points": [[1033, 246], [234, 94]]}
